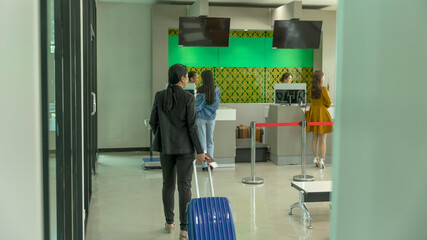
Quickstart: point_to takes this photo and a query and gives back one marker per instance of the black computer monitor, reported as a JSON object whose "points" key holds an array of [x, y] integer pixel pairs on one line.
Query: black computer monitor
{"points": [[297, 34], [289, 93], [290, 97], [204, 31]]}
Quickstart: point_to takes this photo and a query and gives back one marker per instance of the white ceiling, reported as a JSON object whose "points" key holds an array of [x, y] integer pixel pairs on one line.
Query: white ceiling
{"points": [[326, 4]]}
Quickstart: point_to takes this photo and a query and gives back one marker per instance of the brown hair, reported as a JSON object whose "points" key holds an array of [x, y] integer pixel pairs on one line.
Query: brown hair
{"points": [[191, 74], [285, 76], [316, 85], [208, 86]]}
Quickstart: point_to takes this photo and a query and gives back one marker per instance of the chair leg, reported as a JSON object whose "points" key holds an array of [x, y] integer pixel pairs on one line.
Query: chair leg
{"points": [[300, 204]]}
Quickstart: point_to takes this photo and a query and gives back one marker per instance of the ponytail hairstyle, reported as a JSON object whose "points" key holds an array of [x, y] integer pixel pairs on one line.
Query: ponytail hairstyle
{"points": [[176, 72], [208, 86], [284, 77], [316, 85]]}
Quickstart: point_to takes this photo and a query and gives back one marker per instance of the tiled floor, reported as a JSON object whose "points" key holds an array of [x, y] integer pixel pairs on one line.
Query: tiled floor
{"points": [[127, 203]]}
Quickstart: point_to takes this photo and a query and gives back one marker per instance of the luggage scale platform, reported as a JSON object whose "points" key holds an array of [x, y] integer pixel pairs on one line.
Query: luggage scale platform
{"points": [[318, 191], [151, 163]]}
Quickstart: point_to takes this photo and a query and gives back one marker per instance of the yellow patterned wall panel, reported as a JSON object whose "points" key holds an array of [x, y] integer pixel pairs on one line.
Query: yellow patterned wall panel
{"points": [[251, 85], [272, 76], [236, 33], [268, 34], [240, 85], [247, 34], [173, 32]]}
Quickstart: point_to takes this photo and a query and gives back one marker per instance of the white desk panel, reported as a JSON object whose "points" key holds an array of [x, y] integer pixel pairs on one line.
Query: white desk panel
{"points": [[314, 187], [225, 114]]}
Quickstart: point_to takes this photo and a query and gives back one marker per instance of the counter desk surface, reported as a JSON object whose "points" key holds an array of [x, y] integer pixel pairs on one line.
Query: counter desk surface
{"points": [[330, 109], [225, 114], [285, 142], [225, 137]]}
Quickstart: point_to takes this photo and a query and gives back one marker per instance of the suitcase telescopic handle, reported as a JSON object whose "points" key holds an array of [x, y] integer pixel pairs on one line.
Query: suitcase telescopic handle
{"points": [[197, 182]]}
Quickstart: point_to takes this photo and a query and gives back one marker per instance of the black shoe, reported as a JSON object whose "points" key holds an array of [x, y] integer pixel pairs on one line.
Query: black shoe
{"points": [[204, 168]]}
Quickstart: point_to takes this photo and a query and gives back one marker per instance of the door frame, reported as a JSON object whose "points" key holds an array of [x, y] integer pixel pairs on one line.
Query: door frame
{"points": [[89, 99], [68, 119]]}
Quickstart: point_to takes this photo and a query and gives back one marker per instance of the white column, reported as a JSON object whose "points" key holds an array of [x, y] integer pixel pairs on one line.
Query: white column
{"points": [[380, 144], [21, 188]]}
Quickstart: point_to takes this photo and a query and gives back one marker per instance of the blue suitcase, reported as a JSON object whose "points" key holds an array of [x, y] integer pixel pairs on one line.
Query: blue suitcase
{"points": [[209, 217]]}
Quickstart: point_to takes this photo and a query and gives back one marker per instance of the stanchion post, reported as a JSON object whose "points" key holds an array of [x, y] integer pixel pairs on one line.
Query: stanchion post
{"points": [[151, 142], [252, 179], [303, 146], [253, 149], [303, 177]]}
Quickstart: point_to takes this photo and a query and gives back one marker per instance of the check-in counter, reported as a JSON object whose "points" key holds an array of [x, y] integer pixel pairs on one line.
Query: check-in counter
{"points": [[225, 137], [285, 142]]}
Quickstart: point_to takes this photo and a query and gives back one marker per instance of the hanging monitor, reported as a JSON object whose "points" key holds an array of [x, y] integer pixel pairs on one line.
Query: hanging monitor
{"points": [[297, 34], [204, 31]]}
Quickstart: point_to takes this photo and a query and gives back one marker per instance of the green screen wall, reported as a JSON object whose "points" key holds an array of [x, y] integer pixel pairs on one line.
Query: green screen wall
{"points": [[248, 68]]}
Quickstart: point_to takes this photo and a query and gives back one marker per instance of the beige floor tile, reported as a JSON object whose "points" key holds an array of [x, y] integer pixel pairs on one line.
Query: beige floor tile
{"points": [[127, 203]]}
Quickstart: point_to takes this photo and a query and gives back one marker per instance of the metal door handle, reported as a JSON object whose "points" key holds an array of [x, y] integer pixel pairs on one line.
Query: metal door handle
{"points": [[93, 103]]}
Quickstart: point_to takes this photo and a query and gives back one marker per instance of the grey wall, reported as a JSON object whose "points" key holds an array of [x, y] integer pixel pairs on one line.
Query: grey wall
{"points": [[167, 16], [325, 57], [21, 209], [124, 74], [244, 17], [163, 18], [379, 180]]}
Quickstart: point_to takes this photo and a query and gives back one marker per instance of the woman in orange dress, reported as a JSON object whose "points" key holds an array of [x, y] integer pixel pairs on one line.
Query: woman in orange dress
{"points": [[320, 102]]}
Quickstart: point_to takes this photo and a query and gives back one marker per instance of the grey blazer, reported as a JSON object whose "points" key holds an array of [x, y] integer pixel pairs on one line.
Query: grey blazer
{"points": [[175, 132]]}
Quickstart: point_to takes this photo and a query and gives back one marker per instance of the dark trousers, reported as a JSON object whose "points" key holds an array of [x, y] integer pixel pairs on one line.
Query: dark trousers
{"points": [[173, 165]]}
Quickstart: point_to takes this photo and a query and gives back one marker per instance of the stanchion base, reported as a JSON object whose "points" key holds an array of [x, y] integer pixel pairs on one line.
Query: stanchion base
{"points": [[303, 178], [250, 180]]}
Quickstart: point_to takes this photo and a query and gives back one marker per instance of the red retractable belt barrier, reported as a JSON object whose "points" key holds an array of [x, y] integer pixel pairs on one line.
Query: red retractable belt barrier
{"points": [[277, 124], [303, 177], [292, 124], [319, 123]]}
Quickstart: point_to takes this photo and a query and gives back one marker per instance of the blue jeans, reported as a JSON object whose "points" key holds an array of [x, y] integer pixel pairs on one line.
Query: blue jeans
{"points": [[206, 131]]}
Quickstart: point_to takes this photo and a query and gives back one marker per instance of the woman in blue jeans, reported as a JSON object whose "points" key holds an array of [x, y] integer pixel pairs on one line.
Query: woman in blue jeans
{"points": [[207, 102]]}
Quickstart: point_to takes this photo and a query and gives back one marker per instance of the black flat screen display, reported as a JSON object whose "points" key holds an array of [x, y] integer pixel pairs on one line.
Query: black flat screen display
{"points": [[289, 96], [297, 34], [204, 31]]}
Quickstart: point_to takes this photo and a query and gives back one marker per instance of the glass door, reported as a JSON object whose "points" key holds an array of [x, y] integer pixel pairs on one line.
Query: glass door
{"points": [[62, 118], [49, 126], [89, 98], [76, 118], [93, 126]]}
